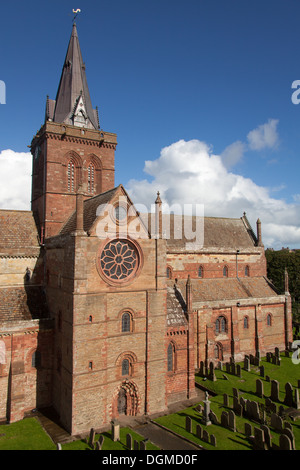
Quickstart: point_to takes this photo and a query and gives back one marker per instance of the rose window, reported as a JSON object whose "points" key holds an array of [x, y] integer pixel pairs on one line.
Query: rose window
{"points": [[119, 260]]}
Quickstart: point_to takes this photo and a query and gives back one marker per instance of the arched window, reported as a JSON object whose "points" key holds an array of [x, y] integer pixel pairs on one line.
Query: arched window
{"points": [[225, 271], [71, 176], [246, 322], [170, 358], [169, 273], [91, 178], [36, 359], [125, 367], [247, 271], [221, 325], [218, 351], [269, 319], [126, 322], [200, 271]]}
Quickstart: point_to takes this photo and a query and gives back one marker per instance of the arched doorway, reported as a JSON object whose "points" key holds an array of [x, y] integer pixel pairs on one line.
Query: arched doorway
{"points": [[122, 402], [126, 400]]}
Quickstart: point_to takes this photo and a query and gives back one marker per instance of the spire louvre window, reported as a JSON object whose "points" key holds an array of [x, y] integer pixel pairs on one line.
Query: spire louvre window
{"points": [[71, 177]]}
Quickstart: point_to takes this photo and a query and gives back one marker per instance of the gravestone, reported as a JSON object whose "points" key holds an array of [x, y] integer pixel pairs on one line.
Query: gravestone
{"points": [[290, 435], [248, 429], [205, 436], [252, 410], [100, 441], [276, 422], [58, 446], [199, 408], [225, 399], [199, 431], [136, 445], [212, 375], [284, 442], [288, 400], [243, 402], [115, 430], [274, 390], [213, 440], [231, 421], [213, 417], [259, 388], [143, 444], [235, 403], [238, 370], [224, 419], [129, 441], [239, 410], [296, 400], [262, 371], [267, 435], [188, 424], [92, 437], [259, 439], [247, 363]]}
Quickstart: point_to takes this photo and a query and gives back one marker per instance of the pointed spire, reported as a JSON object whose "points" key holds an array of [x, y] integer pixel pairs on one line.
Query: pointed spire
{"points": [[73, 103]]}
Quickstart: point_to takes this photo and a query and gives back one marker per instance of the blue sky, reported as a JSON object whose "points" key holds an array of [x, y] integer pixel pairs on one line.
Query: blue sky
{"points": [[166, 74]]}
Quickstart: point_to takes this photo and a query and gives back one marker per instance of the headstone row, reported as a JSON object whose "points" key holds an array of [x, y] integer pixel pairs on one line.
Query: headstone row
{"points": [[201, 433], [261, 439]]}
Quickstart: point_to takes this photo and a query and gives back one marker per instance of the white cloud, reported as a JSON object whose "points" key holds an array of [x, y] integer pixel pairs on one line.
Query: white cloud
{"points": [[15, 180], [188, 172], [233, 153], [264, 136]]}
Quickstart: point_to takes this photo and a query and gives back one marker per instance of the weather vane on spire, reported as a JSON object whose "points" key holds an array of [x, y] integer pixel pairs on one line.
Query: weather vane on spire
{"points": [[76, 13]]}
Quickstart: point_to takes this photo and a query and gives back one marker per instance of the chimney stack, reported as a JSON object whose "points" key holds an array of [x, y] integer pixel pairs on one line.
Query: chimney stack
{"points": [[189, 300], [259, 238], [158, 217]]}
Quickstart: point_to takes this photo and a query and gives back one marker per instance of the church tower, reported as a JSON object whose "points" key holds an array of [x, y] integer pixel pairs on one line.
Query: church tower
{"points": [[70, 150]]}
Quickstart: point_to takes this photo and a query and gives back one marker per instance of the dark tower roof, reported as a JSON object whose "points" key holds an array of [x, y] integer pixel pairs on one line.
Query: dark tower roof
{"points": [[73, 103]]}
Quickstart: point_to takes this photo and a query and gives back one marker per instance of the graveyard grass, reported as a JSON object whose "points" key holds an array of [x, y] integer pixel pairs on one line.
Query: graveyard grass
{"points": [[28, 434], [246, 384]]}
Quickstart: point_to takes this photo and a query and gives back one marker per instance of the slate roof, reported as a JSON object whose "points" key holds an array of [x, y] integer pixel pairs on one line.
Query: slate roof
{"points": [[217, 232], [22, 303], [176, 308], [18, 234], [228, 289]]}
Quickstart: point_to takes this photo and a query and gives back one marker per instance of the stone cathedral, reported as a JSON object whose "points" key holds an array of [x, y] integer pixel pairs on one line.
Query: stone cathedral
{"points": [[97, 322]]}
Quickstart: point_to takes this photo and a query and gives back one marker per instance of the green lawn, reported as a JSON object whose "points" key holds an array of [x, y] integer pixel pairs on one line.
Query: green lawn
{"points": [[28, 434], [25, 435], [226, 439]]}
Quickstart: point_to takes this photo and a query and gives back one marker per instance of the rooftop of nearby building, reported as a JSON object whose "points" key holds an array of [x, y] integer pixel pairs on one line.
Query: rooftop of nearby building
{"points": [[18, 233]]}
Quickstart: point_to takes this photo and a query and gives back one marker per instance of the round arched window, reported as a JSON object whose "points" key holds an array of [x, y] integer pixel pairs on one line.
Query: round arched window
{"points": [[119, 260]]}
